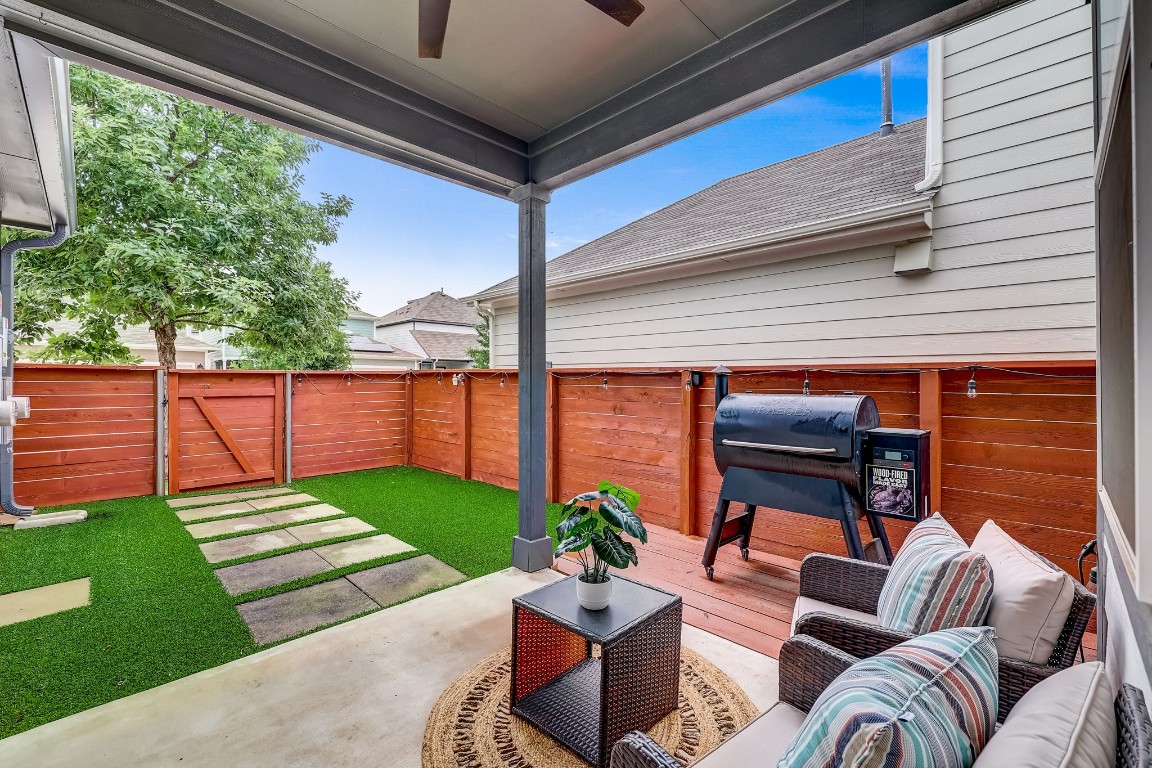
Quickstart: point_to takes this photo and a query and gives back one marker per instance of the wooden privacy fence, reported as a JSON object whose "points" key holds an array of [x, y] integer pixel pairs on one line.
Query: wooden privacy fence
{"points": [[1021, 452]]}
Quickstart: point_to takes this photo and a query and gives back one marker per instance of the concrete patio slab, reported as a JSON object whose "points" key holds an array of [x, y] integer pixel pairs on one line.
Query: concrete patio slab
{"points": [[361, 550], [44, 601], [215, 498], [330, 529], [280, 616], [232, 525], [394, 582], [281, 501], [271, 572], [352, 695], [220, 510], [242, 546], [300, 514]]}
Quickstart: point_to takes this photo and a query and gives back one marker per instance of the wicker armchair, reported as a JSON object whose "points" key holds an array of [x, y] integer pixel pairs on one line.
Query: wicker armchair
{"points": [[807, 667], [856, 585]]}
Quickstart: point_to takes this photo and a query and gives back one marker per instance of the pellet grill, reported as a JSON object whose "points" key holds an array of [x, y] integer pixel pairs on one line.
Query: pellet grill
{"points": [[821, 455]]}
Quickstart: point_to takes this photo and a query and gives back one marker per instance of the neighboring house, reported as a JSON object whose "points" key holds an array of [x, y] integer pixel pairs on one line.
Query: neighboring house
{"points": [[968, 235], [368, 352], [438, 327], [191, 352]]}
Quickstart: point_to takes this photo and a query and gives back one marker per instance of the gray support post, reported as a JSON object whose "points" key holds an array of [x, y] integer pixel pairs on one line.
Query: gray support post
{"points": [[532, 548], [287, 427], [161, 432]]}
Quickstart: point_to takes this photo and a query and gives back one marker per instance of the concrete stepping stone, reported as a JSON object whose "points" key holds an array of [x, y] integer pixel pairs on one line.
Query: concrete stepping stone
{"points": [[331, 529], [45, 519], [300, 514], [252, 544], [271, 571], [398, 581], [292, 613], [281, 501], [220, 510], [215, 498], [362, 550], [232, 525], [44, 601]]}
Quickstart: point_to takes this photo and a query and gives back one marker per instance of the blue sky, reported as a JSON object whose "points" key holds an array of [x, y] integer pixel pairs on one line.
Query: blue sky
{"points": [[410, 234]]}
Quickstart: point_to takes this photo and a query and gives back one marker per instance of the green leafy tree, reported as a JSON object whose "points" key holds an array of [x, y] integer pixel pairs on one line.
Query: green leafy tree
{"points": [[481, 353], [189, 215]]}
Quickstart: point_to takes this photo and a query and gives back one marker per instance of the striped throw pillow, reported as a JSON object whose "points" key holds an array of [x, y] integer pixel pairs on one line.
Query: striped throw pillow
{"points": [[930, 701], [935, 582]]}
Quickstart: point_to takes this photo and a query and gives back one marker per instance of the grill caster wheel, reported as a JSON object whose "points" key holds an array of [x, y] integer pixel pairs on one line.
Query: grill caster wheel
{"points": [[710, 571], [744, 555]]}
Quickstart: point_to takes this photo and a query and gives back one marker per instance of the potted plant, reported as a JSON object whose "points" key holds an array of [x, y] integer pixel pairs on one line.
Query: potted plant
{"points": [[596, 521]]}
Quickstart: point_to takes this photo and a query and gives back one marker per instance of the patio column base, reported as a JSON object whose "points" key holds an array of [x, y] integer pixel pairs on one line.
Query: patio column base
{"points": [[531, 554]]}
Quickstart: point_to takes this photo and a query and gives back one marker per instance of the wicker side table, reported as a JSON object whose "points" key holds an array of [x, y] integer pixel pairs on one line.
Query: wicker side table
{"points": [[585, 702]]}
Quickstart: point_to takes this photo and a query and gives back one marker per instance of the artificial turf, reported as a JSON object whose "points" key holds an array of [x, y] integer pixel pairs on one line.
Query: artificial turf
{"points": [[157, 611]]}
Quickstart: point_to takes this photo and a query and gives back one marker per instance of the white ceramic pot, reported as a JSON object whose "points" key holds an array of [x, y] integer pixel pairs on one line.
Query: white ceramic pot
{"points": [[593, 597]]}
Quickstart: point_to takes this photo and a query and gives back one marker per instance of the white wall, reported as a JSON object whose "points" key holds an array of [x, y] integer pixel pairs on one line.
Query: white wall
{"points": [[1012, 243], [399, 336]]}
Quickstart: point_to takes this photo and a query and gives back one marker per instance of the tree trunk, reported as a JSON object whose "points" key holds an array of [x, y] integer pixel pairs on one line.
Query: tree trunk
{"points": [[166, 342]]}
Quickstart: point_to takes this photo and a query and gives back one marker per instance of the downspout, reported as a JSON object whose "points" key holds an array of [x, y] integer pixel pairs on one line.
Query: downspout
{"points": [[7, 284]]}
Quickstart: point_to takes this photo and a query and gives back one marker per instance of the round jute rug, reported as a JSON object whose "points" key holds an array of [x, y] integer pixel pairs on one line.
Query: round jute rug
{"points": [[471, 727]]}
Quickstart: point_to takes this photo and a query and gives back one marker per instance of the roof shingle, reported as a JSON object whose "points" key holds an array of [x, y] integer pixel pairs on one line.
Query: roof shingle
{"points": [[853, 177], [443, 345], [436, 307]]}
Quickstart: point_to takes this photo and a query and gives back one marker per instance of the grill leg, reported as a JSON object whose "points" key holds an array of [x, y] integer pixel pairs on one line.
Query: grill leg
{"points": [[852, 538], [876, 525], [714, 536], [746, 529]]}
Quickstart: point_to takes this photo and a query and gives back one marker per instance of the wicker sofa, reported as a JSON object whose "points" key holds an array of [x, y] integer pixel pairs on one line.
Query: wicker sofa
{"points": [[807, 667], [846, 592]]}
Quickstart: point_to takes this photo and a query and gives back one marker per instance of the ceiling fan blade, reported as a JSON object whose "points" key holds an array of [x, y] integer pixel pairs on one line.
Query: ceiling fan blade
{"points": [[433, 26], [624, 11]]}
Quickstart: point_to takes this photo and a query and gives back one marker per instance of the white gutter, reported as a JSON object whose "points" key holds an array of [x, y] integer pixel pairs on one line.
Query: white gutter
{"points": [[934, 138], [913, 219]]}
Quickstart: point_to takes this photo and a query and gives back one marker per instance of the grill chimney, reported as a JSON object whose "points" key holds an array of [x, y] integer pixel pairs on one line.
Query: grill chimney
{"points": [[886, 125]]}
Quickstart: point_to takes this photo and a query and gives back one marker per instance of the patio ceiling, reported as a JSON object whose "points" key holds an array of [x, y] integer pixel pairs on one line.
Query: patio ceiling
{"points": [[527, 91]]}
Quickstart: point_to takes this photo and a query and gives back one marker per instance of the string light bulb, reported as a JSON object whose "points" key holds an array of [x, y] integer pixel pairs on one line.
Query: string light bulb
{"points": [[972, 384], [605, 382], [807, 384], [501, 382]]}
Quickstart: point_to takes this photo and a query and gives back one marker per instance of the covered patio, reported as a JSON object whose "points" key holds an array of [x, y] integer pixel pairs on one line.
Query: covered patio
{"points": [[512, 109]]}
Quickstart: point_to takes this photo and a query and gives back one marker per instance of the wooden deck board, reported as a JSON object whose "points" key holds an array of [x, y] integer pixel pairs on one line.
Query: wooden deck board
{"points": [[749, 603]]}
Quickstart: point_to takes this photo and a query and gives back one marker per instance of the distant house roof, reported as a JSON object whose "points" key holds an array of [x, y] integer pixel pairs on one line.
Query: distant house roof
{"points": [[136, 337], [358, 343], [444, 345], [436, 307], [356, 314], [854, 177]]}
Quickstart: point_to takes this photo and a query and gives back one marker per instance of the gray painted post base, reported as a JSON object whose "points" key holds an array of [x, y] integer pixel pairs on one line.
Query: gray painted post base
{"points": [[531, 555]]}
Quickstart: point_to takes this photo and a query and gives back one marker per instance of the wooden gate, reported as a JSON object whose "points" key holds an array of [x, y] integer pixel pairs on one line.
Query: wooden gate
{"points": [[225, 428]]}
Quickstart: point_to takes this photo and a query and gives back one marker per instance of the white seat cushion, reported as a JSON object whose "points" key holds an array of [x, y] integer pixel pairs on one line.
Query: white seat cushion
{"points": [[1030, 598], [761, 742], [1068, 720], [810, 605]]}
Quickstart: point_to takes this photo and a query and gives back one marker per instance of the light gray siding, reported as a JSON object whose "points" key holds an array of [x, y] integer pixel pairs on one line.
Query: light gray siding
{"points": [[1013, 273]]}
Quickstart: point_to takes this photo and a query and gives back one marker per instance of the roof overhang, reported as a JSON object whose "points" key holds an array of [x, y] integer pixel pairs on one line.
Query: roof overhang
{"points": [[891, 224], [37, 171], [318, 84]]}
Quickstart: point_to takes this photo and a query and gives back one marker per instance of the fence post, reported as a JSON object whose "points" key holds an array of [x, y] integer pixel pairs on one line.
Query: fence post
{"points": [[466, 439], [553, 438], [287, 427], [932, 418], [161, 432], [173, 431], [409, 384], [687, 452]]}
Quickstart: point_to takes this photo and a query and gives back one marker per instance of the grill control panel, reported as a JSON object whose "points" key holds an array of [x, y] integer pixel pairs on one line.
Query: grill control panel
{"points": [[896, 478]]}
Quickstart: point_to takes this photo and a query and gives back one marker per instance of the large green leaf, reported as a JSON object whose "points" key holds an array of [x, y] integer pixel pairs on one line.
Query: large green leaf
{"points": [[612, 549], [573, 544], [590, 496], [627, 495], [564, 528], [616, 512]]}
